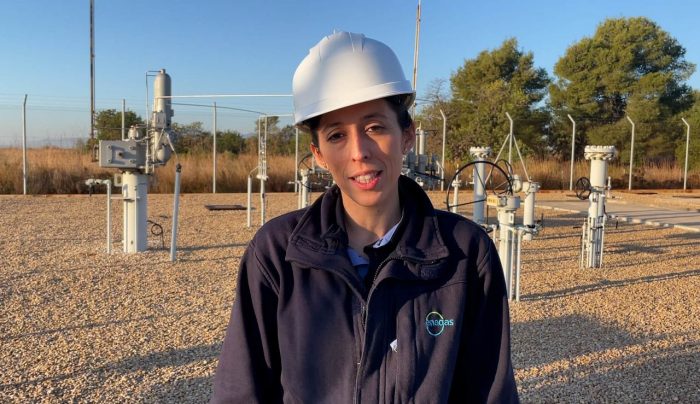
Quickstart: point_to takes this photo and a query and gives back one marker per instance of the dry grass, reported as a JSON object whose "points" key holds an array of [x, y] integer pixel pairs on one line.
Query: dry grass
{"points": [[63, 171]]}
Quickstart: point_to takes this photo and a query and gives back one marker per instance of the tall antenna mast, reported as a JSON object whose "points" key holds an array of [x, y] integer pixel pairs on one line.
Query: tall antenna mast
{"points": [[415, 55], [92, 69]]}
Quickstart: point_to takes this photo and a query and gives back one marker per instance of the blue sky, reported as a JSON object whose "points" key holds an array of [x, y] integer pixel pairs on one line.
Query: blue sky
{"points": [[253, 47]]}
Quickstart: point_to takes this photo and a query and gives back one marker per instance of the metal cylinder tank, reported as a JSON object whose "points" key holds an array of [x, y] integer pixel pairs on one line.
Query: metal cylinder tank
{"points": [[599, 156], [162, 107], [479, 154]]}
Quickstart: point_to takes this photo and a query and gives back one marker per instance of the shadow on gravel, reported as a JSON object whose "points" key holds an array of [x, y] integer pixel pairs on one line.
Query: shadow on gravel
{"points": [[194, 390], [212, 247], [168, 358], [560, 366], [58, 331], [607, 284], [685, 236], [558, 338], [132, 367]]}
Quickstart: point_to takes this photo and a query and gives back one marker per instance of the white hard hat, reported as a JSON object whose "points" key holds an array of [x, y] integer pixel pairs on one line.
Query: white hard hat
{"points": [[345, 69]]}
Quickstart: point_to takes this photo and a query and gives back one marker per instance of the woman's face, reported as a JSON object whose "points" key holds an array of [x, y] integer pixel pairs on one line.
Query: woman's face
{"points": [[362, 146]]}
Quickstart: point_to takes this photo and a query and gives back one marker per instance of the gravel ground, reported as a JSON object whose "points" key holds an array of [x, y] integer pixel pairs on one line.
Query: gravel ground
{"points": [[79, 325]]}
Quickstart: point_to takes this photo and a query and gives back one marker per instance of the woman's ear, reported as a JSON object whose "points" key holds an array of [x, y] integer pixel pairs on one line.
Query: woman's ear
{"points": [[408, 138], [317, 155]]}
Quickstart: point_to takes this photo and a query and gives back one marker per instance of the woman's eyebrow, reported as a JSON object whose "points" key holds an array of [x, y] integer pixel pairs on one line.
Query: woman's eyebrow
{"points": [[374, 115]]}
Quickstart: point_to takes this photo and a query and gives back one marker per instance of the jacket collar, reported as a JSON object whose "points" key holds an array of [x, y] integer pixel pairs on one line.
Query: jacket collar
{"points": [[319, 240]]}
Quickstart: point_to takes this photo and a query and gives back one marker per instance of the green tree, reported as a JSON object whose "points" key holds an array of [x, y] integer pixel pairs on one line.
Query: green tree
{"points": [[192, 138], [484, 89], [630, 67], [108, 123], [429, 118], [692, 116], [230, 141]]}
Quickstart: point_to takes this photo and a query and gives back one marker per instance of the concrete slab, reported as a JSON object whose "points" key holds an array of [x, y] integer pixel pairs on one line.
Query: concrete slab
{"points": [[632, 213]]}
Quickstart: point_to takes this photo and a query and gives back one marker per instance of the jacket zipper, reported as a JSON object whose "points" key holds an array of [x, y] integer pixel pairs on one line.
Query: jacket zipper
{"points": [[364, 308]]}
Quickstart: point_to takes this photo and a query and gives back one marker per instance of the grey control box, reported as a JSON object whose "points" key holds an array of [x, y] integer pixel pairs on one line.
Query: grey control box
{"points": [[122, 154]]}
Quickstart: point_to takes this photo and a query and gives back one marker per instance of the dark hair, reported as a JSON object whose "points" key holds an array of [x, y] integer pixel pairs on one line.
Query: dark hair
{"points": [[396, 102]]}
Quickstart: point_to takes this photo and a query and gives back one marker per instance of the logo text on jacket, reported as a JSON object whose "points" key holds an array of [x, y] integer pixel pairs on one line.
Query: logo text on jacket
{"points": [[435, 323]]}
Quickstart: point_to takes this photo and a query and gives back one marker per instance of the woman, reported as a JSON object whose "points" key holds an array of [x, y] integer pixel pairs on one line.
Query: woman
{"points": [[369, 294]]}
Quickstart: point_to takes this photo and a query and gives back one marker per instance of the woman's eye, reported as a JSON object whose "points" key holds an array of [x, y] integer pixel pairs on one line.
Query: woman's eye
{"points": [[334, 137], [375, 129]]}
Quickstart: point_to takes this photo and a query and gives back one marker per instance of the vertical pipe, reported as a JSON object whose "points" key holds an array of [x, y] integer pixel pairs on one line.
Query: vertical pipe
{"points": [[176, 209], [455, 197], [24, 146], [92, 69], [108, 183], [213, 180], [573, 145], [126, 207], [415, 56], [249, 200], [629, 185], [442, 162], [510, 139], [517, 266], [687, 145], [296, 160], [262, 202], [123, 118]]}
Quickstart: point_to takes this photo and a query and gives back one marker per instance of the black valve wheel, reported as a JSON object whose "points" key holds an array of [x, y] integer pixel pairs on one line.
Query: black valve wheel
{"points": [[583, 188], [497, 181]]}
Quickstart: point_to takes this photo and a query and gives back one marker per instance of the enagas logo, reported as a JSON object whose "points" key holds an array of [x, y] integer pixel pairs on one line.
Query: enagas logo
{"points": [[435, 323]]}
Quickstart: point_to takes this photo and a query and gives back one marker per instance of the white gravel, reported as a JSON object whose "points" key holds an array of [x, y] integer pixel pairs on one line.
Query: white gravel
{"points": [[77, 324]]}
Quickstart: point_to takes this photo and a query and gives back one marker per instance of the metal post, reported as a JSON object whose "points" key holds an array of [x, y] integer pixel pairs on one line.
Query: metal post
{"points": [[573, 145], [519, 238], [176, 208], [108, 183], [24, 146], [510, 138], [92, 69], [687, 145], [249, 200], [296, 160], [629, 185], [213, 183], [442, 162], [123, 118], [415, 56]]}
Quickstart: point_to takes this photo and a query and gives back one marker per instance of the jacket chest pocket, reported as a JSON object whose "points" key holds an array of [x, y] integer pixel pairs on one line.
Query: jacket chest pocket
{"points": [[428, 330]]}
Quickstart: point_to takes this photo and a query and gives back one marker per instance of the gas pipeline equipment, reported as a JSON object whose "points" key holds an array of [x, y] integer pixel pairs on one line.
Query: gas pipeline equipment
{"points": [[595, 190], [312, 177], [421, 167], [136, 156], [494, 184]]}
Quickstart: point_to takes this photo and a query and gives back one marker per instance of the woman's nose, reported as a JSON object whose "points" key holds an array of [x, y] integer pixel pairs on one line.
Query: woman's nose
{"points": [[360, 146]]}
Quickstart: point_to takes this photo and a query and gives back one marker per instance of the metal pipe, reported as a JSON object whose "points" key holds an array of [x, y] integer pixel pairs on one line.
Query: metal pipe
{"points": [[415, 57], [573, 145], [250, 191], [442, 162], [296, 160], [226, 96], [123, 118], [176, 209], [629, 185], [517, 265], [510, 139], [687, 145], [92, 69], [108, 183], [262, 202], [213, 181], [25, 173]]}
